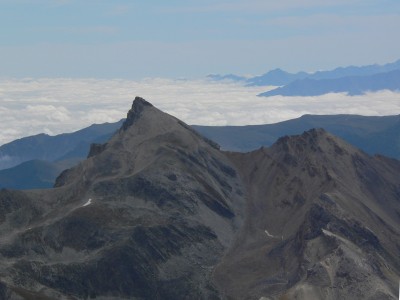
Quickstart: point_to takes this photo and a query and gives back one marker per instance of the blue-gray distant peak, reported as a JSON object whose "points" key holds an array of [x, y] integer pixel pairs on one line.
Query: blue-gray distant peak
{"points": [[352, 85]]}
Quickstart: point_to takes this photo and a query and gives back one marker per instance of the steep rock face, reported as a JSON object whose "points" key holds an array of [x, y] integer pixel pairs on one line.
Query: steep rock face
{"points": [[158, 212], [322, 223], [148, 217]]}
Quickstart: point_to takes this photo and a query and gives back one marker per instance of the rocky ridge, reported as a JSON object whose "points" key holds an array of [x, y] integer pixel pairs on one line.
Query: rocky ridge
{"points": [[322, 223], [159, 212]]}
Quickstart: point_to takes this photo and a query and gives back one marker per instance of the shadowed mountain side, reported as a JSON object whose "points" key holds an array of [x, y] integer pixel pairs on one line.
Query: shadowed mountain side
{"points": [[146, 216], [55, 148], [34, 174], [354, 85]]}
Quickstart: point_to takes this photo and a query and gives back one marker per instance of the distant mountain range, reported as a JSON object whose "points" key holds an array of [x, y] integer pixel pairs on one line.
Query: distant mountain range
{"points": [[42, 155], [231, 77], [32, 174], [352, 80], [55, 148], [352, 85], [280, 77], [35, 161], [160, 212], [374, 135]]}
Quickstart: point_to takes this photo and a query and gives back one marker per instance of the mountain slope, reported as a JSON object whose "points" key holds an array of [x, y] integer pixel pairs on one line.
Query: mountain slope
{"points": [[52, 148], [148, 215], [374, 135], [34, 174], [159, 212], [322, 223]]}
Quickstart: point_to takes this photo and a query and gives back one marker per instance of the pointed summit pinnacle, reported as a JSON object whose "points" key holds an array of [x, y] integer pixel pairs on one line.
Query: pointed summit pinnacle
{"points": [[134, 113]]}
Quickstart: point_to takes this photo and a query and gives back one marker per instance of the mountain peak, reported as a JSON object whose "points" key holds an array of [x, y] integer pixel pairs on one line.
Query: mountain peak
{"points": [[277, 71], [314, 141], [145, 131], [157, 213], [138, 105], [309, 137]]}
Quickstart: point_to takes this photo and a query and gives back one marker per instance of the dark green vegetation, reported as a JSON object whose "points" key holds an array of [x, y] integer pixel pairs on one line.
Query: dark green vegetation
{"points": [[159, 212]]}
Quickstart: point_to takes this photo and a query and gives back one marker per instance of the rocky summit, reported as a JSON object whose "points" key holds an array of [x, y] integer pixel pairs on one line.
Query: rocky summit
{"points": [[159, 212]]}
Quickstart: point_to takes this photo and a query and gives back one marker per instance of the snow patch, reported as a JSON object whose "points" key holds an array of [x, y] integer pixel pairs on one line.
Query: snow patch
{"points": [[270, 235], [87, 203]]}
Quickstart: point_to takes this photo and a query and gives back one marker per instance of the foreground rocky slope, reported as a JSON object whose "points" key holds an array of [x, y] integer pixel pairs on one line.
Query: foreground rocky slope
{"points": [[322, 223], [159, 212]]}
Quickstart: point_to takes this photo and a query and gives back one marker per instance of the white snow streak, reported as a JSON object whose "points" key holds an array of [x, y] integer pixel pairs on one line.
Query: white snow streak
{"points": [[270, 235], [87, 203]]}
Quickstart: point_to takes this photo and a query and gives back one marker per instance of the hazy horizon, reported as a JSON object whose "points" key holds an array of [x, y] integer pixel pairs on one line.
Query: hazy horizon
{"points": [[187, 39], [66, 64], [60, 105]]}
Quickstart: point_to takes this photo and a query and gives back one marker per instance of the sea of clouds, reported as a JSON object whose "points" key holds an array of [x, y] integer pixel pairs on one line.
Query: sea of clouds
{"points": [[53, 106]]}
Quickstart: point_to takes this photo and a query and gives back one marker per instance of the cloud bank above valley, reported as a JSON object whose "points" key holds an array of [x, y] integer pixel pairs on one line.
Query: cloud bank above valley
{"points": [[53, 106]]}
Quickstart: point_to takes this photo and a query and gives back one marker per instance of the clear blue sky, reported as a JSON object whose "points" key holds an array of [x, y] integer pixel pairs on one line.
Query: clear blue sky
{"points": [[154, 38]]}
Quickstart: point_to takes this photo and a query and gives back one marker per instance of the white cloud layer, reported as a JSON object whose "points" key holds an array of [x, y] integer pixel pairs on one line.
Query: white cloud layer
{"points": [[53, 106]]}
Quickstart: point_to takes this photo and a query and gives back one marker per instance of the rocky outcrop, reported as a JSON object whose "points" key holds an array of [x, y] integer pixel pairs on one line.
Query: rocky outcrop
{"points": [[139, 104]]}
